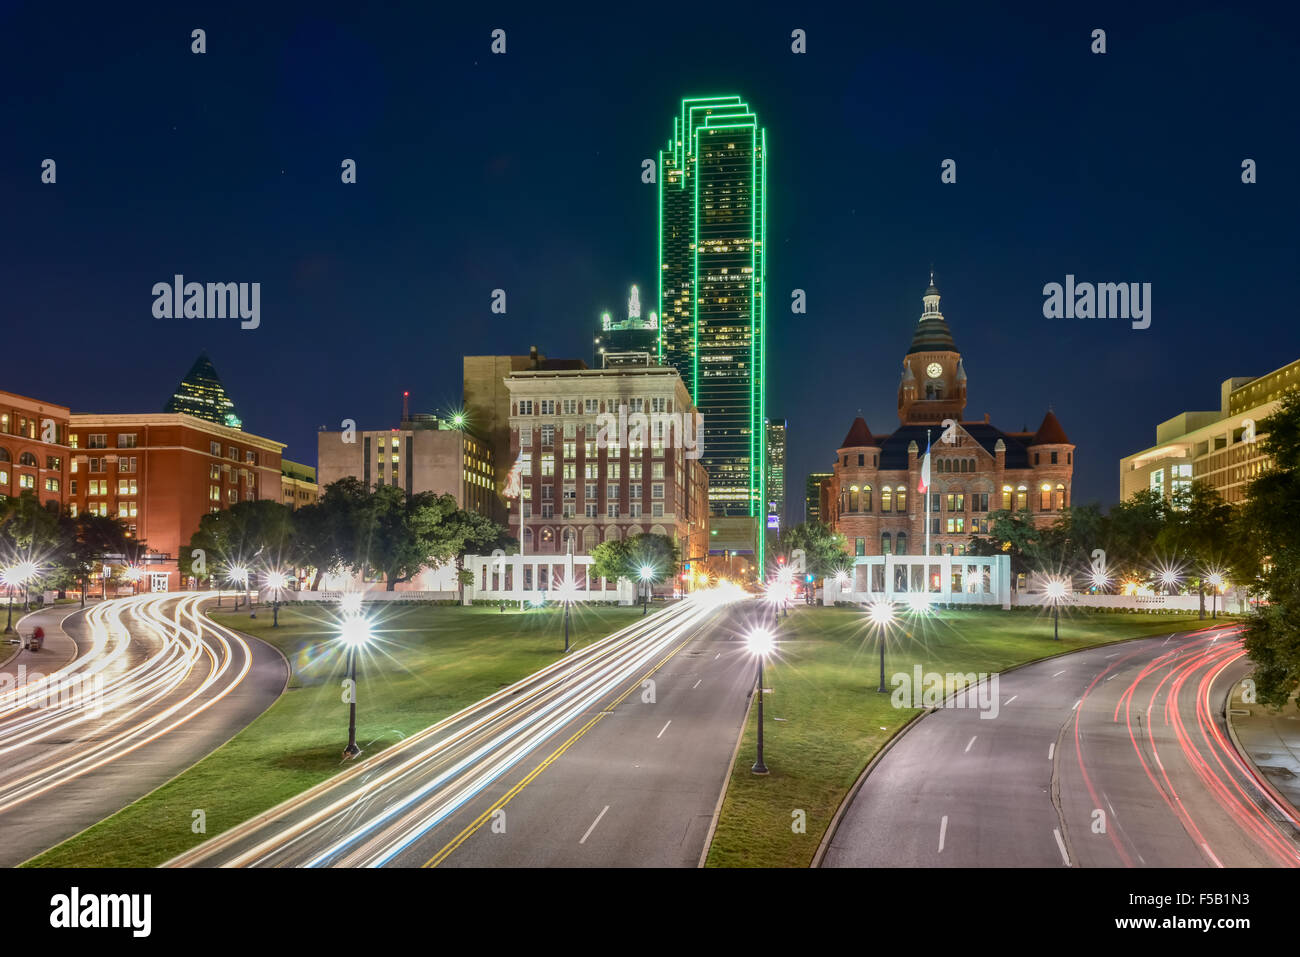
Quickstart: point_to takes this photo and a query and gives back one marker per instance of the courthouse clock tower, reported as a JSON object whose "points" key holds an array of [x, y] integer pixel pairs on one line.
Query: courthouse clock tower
{"points": [[933, 386]]}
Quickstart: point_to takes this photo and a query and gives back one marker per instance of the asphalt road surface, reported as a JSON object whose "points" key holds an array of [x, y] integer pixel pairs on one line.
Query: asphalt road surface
{"points": [[583, 764], [1111, 757], [149, 687]]}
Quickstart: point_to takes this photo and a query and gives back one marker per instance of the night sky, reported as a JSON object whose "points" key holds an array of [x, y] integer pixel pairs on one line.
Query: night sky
{"points": [[522, 172]]}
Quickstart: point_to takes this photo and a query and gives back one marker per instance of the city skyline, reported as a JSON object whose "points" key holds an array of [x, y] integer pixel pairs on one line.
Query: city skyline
{"points": [[399, 272]]}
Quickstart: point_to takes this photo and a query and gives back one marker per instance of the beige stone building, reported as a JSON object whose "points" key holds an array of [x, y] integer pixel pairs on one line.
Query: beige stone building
{"points": [[426, 454], [1220, 448], [298, 484]]}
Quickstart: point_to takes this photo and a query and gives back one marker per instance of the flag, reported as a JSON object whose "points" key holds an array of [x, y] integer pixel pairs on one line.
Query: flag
{"points": [[514, 479], [925, 470]]}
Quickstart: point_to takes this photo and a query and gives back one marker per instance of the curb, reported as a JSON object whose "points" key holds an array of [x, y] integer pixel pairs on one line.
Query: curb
{"points": [[1249, 762], [726, 780]]}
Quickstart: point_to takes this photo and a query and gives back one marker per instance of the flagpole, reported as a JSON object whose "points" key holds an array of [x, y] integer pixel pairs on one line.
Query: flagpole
{"points": [[927, 508]]}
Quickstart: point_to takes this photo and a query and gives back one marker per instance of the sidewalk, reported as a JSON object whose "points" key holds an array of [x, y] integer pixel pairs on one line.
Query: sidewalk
{"points": [[1270, 741], [58, 650]]}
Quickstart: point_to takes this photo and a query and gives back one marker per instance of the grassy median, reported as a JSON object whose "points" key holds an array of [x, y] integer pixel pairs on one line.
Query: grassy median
{"points": [[825, 719], [428, 662]]}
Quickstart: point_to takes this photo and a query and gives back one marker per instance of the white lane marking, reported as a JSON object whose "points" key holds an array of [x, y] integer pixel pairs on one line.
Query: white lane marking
{"points": [[1205, 847], [1115, 675], [696, 685], [1076, 704], [1011, 699], [943, 831], [1051, 749], [1115, 655], [1058, 674], [1165, 642], [593, 825], [970, 742], [1060, 844], [662, 730], [717, 656]]}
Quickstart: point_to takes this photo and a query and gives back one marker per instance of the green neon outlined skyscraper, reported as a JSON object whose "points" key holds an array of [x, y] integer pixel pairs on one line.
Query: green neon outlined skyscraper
{"points": [[712, 278]]}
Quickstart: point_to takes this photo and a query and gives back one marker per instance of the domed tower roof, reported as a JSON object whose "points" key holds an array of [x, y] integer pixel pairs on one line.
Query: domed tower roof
{"points": [[1050, 432], [859, 436], [932, 333]]}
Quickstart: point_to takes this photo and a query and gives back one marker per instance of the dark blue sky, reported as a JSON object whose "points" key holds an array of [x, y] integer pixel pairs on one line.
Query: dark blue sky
{"points": [[523, 172]]}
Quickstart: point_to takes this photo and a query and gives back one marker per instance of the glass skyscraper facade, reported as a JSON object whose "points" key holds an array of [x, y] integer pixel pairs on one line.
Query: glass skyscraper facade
{"points": [[202, 395], [712, 226]]}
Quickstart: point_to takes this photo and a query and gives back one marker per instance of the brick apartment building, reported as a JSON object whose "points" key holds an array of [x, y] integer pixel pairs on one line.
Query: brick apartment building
{"points": [[34, 448], [160, 473]]}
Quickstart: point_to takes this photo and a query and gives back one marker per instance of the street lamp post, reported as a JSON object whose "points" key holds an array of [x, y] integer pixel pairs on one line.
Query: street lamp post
{"points": [[276, 581], [1056, 594], [1216, 583], [760, 643], [647, 574], [10, 577], [882, 616], [355, 632], [236, 576]]}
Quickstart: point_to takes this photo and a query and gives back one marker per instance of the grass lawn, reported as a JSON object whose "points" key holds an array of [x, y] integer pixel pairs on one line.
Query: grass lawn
{"points": [[427, 663], [825, 719]]}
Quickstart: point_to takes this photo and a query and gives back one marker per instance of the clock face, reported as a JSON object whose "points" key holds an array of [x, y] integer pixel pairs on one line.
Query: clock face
{"points": [[934, 370]]}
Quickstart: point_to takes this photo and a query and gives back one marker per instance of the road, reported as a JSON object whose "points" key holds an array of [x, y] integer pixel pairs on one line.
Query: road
{"points": [[585, 763], [147, 688], [1116, 756]]}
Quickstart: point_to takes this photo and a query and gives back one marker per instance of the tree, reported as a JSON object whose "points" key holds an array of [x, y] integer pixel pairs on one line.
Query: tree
{"points": [[824, 548], [327, 534], [658, 553], [1198, 535], [1014, 534], [612, 560], [245, 535], [89, 537], [1268, 529], [403, 534], [30, 532]]}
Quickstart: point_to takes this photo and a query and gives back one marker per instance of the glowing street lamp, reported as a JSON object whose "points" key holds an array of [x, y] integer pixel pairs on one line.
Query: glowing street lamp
{"points": [[1056, 594], [276, 581], [12, 577], [26, 572], [133, 575], [1217, 584], [761, 643], [881, 614], [1170, 578], [647, 576], [354, 632], [237, 575]]}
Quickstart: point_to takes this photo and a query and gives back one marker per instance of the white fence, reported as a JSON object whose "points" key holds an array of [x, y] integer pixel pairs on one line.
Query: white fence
{"points": [[945, 579], [538, 577], [1230, 603]]}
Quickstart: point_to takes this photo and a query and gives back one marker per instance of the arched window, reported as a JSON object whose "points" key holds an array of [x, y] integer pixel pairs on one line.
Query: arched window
{"points": [[1045, 498], [27, 459], [567, 536], [528, 538], [866, 498], [885, 543], [611, 533], [590, 539], [900, 544], [1022, 498], [1060, 497], [4, 454], [886, 499], [900, 498], [853, 498], [1006, 498]]}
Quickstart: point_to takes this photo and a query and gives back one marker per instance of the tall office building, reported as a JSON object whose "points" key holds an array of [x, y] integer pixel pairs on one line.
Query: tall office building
{"points": [[202, 395], [712, 224], [814, 489], [776, 429]]}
